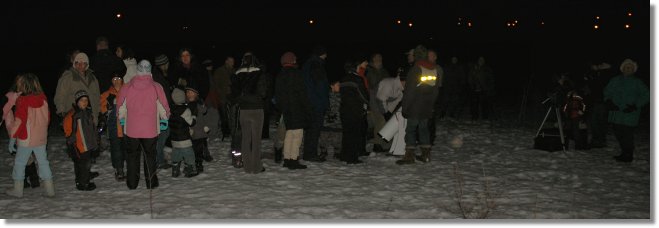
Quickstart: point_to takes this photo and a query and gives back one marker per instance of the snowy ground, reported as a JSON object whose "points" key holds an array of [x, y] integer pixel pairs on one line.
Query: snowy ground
{"points": [[496, 166]]}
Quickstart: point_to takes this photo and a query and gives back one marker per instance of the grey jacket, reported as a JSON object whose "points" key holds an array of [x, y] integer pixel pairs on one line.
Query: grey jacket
{"points": [[69, 83]]}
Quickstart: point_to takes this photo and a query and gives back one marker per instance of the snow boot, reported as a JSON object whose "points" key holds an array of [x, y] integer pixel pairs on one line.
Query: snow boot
{"points": [[425, 154], [17, 190], [119, 175], [85, 187], [408, 158], [279, 153], [32, 174], [190, 171], [323, 153], [50, 188], [236, 159], [207, 154], [295, 164], [176, 169], [200, 166]]}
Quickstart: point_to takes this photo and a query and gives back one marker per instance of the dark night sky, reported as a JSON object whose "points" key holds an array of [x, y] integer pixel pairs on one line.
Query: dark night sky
{"points": [[39, 33]]}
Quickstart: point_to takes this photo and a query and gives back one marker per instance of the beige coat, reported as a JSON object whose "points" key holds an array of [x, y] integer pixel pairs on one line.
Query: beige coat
{"points": [[69, 84]]}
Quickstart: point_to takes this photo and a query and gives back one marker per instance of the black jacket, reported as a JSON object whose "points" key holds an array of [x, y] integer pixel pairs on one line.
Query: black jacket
{"points": [[248, 88], [195, 75], [418, 98], [179, 129], [354, 96], [291, 98], [160, 78], [106, 65]]}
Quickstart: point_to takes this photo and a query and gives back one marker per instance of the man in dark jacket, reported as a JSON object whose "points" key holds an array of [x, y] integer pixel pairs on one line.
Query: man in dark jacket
{"points": [[106, 64], [222, 79], [317, 84], [596, 110], [418, 99], [454, 83]]}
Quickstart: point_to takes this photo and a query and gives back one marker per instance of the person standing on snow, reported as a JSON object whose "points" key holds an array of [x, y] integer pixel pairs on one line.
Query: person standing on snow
{"points": [[143, 110], [625, 96], [418, 99]]}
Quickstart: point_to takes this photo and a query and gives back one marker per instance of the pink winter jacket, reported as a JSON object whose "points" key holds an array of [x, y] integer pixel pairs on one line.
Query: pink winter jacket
{"points": [[142, 104], [31, 119]]}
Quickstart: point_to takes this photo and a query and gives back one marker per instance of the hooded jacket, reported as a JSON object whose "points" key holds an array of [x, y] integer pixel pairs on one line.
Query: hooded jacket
{"points": [[142, 103], [419, 98], [31, 121], [354, 95], [70, 82], [390, 93], [249, 87]]}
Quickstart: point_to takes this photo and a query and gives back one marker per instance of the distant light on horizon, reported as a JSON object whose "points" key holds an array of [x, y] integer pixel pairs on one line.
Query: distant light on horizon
{"points": [[410, 24], [596, 27], [629, 14], [119, 15], [627, 26], [542, 23], [597, 17], [311, 21], [469, 24], [398, 22]]}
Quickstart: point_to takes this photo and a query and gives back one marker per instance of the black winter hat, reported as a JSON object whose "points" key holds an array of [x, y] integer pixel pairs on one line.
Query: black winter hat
{"points": [[80, 94]]}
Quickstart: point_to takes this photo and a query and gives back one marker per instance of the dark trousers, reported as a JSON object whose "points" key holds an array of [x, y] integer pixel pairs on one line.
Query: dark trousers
{"points": [[251, 121], [598, 123], [224, 120], [133, 156], [417, 127], [267, 111], [353, 139], [82, 166], [311, 136], [481, 105], [117, 151], [199, 146], [625, 136]]}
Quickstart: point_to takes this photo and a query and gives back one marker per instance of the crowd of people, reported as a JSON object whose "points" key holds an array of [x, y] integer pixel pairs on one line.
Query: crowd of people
{"points": [[147, 110]]}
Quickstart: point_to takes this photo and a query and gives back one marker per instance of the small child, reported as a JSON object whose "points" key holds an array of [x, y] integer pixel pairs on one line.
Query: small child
{"points": [[330, 134], [81, 140], [114, 129], [205, 118], [180, 133], [30, 133]]}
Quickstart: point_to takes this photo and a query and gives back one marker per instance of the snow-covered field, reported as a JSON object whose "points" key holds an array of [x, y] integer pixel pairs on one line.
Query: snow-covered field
{"points": [[501, 178]]}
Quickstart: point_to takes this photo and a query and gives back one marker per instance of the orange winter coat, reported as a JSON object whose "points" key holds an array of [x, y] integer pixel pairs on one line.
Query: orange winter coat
{"points": [[83, 134], [112, 94]]}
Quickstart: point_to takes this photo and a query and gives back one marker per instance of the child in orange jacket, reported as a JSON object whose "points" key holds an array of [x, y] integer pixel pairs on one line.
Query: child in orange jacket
{"points": [[81, 136]]}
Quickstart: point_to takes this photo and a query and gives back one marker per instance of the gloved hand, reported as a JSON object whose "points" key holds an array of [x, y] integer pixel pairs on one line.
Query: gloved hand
{"points": [[122, 122], [12, 146], [206, 129], [387, 115], [611, 106], [630, 108], [164, 124]]}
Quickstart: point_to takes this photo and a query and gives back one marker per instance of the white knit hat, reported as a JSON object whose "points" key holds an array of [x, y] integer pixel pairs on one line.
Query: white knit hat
{"points": [[144, 68], [81, 58], [629, 61]]}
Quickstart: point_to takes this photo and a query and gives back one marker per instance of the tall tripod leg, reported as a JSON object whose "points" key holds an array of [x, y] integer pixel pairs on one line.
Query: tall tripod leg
{"points": [[560, 127], [543, 122]]}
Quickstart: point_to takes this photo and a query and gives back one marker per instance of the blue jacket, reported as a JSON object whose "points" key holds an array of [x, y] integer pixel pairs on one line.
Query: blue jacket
{"points": [[315, 79]]}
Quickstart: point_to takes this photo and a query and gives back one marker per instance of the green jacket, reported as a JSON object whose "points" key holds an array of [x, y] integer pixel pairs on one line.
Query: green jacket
{"points": [[623, 91]]}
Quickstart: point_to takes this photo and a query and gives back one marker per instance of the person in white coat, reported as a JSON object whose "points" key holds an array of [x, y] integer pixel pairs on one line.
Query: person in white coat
{"points": [[390, 93]]}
